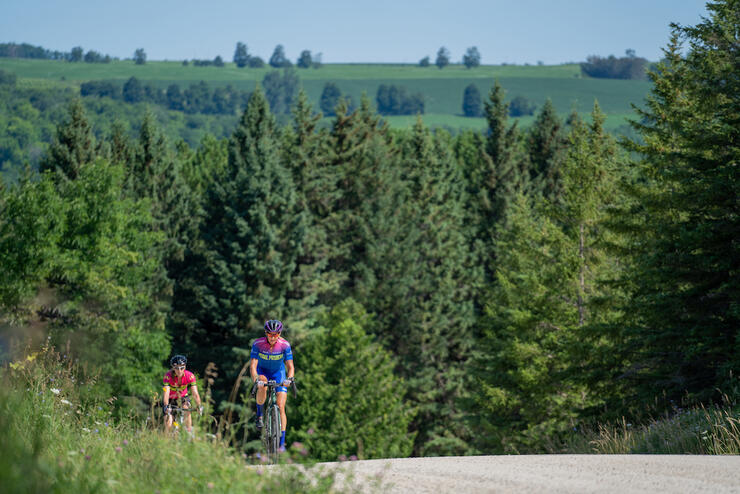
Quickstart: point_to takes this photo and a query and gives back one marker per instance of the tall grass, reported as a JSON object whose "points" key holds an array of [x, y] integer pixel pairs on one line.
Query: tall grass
{"points": [[713, 430], [57, 434]]}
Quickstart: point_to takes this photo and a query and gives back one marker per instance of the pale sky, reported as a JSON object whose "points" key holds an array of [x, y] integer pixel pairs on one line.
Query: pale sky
{"points": [[394, 31]]}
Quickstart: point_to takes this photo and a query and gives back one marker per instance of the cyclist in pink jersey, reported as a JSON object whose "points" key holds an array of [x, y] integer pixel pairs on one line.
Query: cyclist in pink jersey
{"points": [[175, 386]]}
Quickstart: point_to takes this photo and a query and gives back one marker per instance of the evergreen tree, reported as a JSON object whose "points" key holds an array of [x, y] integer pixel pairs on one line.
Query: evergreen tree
{"points": [[434, 307], [303, 151], [335, 414], [546, 147], [495, 174], [156, 175], [552, 293], [73, 145], [682, 330], [251, 237]]}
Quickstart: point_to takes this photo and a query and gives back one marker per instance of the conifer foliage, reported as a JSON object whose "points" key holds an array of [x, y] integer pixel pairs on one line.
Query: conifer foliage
{"points": [[251, 236], [685, 303]]}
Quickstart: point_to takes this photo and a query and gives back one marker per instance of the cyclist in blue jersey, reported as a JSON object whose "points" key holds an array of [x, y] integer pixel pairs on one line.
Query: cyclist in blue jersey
{"points": [[272, 360]]}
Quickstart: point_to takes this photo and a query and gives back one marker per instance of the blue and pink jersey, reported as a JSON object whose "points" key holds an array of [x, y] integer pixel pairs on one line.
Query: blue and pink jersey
{"points": [[271, 360], [178, 387]]}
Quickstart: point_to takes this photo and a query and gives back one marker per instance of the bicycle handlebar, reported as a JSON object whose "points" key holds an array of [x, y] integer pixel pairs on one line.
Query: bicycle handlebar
{"points": [[274, 384]]}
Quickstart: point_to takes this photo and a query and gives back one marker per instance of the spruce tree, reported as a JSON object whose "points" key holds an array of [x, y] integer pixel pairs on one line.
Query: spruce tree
{"points": [[315, 281], [351, 401], [156, 175], [553, 293], [435, 307], [682, 333], [73, 145], [251, 237], [546, 145]]}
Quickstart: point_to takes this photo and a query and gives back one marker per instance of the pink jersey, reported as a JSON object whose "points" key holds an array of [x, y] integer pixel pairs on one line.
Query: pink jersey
{"points": [[178, 387]]}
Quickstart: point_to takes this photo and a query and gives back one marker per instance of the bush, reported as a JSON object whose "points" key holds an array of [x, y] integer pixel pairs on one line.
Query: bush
{"points": [[7, 78], [471, 101], [329, 98], [393, 100], [521, 106], [611, 67], [101, 89]]}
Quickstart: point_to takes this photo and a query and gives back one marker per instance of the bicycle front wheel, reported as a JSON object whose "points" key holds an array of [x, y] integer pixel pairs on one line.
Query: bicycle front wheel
{"points": [[273, 437]]}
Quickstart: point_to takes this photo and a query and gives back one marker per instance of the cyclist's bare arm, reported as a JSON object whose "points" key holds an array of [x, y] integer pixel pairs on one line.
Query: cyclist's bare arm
{"points": [[253, 369], [166, 398], [289, 369], [196, 395]]}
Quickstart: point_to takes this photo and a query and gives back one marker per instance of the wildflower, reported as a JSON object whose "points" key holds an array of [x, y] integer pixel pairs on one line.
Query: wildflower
{"points": [[97, 431], [342, 458], [125, 442], [55, 391], [210, 485], [353, 458], [244, 455], [82, 451], [87, 457], [65, 402], [106, 424], [310, 431], [259, 471], [118, 449]]}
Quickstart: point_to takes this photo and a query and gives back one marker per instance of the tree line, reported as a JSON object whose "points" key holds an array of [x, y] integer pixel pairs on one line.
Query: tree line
{"points": [[479, 293], [77, 54]]}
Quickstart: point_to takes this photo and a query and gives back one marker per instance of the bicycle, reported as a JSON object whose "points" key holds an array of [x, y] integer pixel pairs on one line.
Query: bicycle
{"points": [[179, 419], [271, 430]]}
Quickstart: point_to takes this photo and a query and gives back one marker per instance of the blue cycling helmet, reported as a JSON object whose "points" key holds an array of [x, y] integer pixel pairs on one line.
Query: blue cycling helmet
{"points": [[273, 326]]}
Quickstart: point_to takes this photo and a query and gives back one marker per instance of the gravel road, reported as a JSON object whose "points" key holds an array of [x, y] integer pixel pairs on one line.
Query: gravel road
{"points": [[551, 473]]}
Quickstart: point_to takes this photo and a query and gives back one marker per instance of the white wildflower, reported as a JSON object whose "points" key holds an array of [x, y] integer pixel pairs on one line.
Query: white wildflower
{"points": [[65, 402], [55, 391]]}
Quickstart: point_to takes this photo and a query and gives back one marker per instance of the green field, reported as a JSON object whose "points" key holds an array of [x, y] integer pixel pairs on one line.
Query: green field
{"points": [[442, 89]]}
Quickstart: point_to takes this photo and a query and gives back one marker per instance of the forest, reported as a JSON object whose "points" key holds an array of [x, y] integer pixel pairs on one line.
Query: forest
{"points": [[482, 292]]}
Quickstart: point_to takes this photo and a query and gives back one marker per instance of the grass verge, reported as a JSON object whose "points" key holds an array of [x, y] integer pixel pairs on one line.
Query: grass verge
{"points": [[58, 435]]}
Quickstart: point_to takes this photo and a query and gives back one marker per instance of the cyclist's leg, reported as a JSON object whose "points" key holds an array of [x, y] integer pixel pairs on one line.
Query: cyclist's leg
{"points": [[168, 417], [261, 391], [187, 416], [168, 422], [282, 397]]}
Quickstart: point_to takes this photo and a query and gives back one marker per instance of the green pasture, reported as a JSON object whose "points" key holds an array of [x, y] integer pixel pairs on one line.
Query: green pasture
{"points": [[230, 73], [442, 89]]}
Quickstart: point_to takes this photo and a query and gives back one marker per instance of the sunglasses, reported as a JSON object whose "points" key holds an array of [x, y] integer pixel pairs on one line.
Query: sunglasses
{"points": [[271, 334], [179, 367]]}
